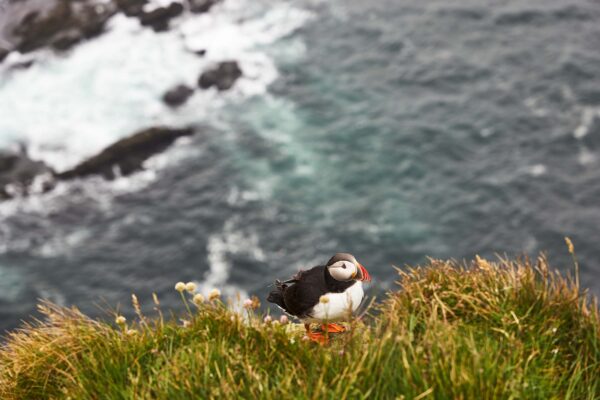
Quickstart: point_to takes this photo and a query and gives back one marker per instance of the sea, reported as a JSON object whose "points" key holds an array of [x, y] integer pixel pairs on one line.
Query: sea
{"points": [[395, 130]]}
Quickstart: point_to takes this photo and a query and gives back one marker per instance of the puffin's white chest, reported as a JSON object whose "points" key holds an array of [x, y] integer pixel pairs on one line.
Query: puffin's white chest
{"points": [[339, 306]]}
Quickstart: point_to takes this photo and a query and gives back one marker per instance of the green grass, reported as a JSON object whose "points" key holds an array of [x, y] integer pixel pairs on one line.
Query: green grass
{"points": [[511, 329]]}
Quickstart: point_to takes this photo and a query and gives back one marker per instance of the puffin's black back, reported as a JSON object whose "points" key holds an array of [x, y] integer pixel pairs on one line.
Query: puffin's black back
{"points": [[305, 290]]}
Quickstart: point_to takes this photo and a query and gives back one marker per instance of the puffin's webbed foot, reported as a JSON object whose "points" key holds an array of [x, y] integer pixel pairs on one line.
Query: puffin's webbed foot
{"points": [[333, 328], [316, 336]]}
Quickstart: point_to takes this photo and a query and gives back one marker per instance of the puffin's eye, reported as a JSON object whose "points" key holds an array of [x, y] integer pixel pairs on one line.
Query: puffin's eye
{"points": [[344, 266]]}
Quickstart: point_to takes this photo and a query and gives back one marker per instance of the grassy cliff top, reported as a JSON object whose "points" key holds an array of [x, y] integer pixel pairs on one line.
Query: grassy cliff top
{"points": [[510, 329]]}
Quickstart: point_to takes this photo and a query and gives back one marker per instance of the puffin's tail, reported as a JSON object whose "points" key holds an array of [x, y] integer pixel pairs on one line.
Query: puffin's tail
{"points": [[276, 295]]}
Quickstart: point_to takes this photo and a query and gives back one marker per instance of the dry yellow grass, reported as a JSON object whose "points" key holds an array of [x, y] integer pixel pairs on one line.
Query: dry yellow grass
{"points": [[486, 330]]}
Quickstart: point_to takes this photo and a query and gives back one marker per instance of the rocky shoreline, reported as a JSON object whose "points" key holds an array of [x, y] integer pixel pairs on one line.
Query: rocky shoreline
{"points": [[59, 25], [28, 25]]}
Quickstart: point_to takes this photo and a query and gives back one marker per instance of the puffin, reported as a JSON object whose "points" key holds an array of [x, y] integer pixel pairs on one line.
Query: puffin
{"points": [[324, 294]]}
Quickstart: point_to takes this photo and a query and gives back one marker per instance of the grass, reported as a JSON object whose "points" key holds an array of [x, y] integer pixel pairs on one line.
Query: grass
{"points": [[503, 330]]}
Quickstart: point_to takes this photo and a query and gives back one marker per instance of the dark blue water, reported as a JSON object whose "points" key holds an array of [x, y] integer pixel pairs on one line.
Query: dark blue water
{"points": [[395, 130]]}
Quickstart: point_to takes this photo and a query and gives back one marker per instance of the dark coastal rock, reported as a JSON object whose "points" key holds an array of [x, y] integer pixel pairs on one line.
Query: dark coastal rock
{"points": [[131, 8], [177, 95], [127, 155], [17, 172], [201, 6], [158, 19], [3, 54], [223, 76], [21, 65], [61, 24]]}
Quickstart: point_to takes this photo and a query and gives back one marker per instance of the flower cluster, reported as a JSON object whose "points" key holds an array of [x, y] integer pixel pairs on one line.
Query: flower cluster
{"points": [[198, 299], [252, 303], [214, 295]]}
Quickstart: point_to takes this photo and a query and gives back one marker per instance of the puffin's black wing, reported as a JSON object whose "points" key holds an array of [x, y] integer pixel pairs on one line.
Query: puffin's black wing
{"points": [[299, 294], [305, 293]]}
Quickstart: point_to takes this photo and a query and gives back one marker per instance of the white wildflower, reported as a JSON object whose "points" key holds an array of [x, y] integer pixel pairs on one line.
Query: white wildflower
{"points": [[214, 294], [190, 287], [198, 299]]}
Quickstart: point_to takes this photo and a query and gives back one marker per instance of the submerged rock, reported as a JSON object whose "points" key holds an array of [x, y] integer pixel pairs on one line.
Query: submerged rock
{"points": [[177, 95], [223, 76], [127, 155], [201, 6], [159, 18], [17, 173]]}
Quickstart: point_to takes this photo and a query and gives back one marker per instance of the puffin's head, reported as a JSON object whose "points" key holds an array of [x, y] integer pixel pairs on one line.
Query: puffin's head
{"points": [[344, 267]]}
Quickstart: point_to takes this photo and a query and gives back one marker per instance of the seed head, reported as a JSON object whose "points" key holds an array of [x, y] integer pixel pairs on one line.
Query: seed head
{"points": [[190, 287], [214, 294], [570, 245], [198, 299]]}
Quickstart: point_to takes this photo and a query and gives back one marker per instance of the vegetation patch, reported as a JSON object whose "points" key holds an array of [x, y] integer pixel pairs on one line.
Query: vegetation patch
{"points": [[482, 330]]}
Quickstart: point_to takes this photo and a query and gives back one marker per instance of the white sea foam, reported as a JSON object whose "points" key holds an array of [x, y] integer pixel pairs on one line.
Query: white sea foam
{"points": [[68, 108], [537, 170], [586, 157], [588, 115], [231, 241]]}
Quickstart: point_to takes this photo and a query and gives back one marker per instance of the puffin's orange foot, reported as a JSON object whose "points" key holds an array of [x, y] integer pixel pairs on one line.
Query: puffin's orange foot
{"points": [[333, 328], [318, 337]]}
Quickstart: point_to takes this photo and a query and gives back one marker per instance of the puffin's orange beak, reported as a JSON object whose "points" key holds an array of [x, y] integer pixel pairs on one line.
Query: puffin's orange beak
{"points": [[364, 274]]}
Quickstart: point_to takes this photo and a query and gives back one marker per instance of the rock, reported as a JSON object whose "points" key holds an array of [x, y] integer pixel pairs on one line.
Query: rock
{"points": [[177, 95], [201, 52], [3, 54], [223, 76], [159, 18], [17, 172], [127, 155], [201, 6], [61, 24], [66, 40], [24, 64], [131, 8]]}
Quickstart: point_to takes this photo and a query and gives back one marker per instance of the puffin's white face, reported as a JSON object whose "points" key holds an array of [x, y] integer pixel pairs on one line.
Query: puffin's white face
{"points": [[344, 267], [343, 270]]}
